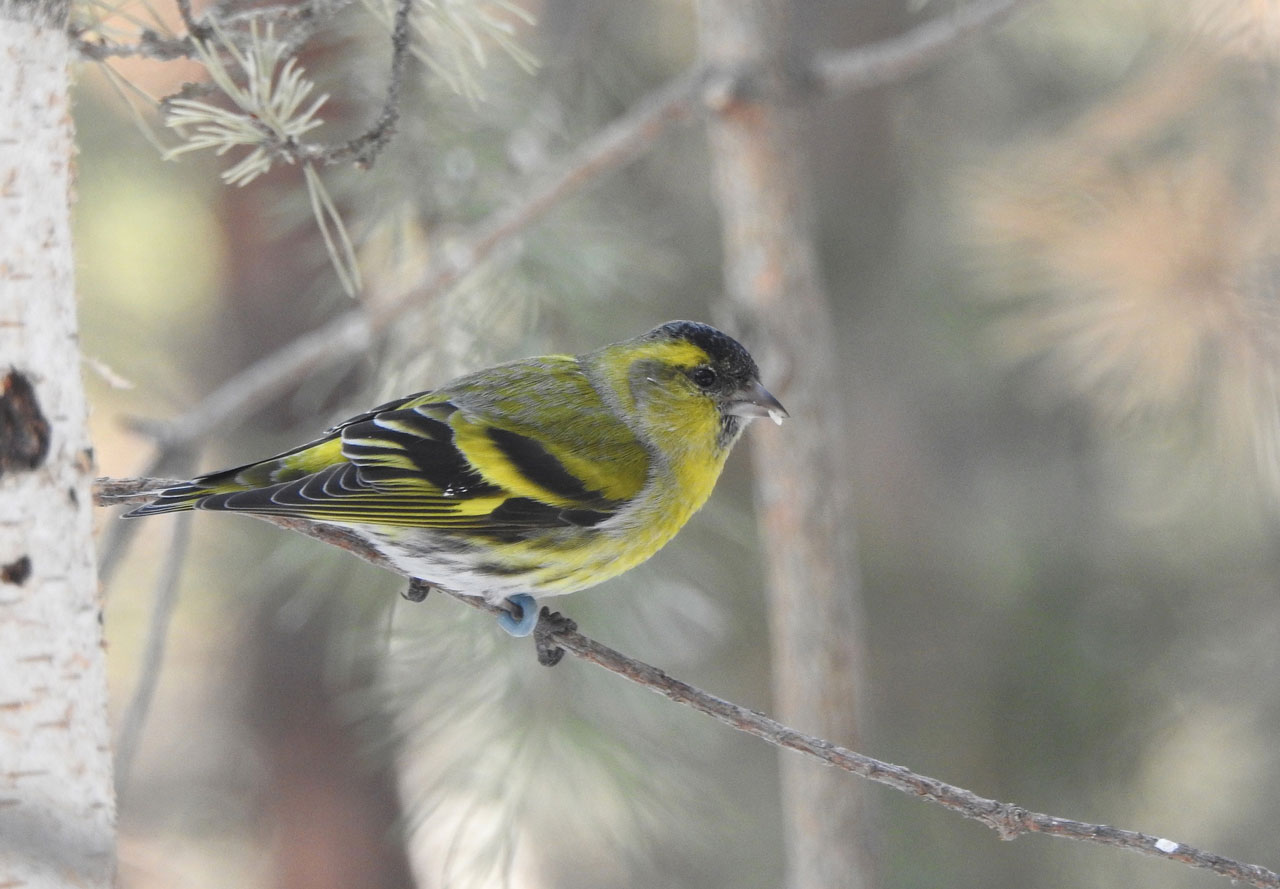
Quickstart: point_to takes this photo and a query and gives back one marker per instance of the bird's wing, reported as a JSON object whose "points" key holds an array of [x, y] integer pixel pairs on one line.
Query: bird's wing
{"points": [[465, 458]]}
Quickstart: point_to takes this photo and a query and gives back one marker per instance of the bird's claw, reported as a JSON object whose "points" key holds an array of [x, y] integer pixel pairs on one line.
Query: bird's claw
{"points": [[417, 590], [549, 624], [523, 617]]}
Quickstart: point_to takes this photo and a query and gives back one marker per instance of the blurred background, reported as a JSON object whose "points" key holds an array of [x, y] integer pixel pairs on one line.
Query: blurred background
{"points": [[1053, 264]]}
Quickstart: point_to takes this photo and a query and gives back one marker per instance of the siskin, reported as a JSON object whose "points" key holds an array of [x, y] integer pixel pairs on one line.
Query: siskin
{"points": [[538, 477]]}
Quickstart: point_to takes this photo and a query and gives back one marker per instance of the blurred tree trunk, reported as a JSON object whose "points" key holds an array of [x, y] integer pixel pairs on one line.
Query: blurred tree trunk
{"points": [[776, 295], [57, 808], [330, 797]]}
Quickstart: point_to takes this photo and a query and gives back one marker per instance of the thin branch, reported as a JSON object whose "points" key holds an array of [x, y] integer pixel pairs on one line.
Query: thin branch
{"points": [[153, 45], [281, 12], [898, 58], [615, 145], [365, 148], [150, 45], [195, 30], [166, 597], [1008, 820]]}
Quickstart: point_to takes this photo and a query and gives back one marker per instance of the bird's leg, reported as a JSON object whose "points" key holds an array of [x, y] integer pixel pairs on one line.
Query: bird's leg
{"points": [[521, 615], [417, 590], [549, 623]]}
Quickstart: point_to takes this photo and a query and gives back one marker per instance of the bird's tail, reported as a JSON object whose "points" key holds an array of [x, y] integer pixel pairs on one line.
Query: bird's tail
{"points": [[212, 491], [189, 494], [178, 498]]}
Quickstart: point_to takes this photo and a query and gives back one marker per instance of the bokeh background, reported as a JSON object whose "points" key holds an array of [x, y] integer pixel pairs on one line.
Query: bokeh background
{"points": [[1053, 264]]}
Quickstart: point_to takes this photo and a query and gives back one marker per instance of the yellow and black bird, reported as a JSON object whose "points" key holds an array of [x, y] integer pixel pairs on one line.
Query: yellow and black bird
{"points": [[537, 477]]}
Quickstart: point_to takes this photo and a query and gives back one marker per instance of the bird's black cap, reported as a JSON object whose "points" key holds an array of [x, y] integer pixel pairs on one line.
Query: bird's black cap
{"points": [[724, 351]]}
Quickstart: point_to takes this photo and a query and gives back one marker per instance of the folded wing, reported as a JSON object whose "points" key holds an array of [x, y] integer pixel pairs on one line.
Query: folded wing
{"points": [[450, 460]]}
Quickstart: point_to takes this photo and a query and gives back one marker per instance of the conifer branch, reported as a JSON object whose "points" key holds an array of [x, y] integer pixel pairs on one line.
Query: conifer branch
{"points": [[615, 145]]}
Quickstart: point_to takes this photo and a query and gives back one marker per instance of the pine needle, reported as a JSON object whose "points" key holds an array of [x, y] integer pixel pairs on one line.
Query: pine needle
{"points": [[336, 240]]}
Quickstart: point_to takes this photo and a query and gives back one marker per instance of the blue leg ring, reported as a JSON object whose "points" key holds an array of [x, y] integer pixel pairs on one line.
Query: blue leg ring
{"points": [[528, 619]]}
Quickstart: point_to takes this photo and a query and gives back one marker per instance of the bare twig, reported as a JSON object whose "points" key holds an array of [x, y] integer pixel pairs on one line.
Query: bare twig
{"points": [[281, 12], [1008, 820], [365, 148], [150, 45], [195, 30], [897, 58], [166, 597], [304, 15]]}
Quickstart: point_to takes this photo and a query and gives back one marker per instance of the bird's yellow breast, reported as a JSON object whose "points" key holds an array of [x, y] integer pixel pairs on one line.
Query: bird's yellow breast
{"points": [[681, 480]]}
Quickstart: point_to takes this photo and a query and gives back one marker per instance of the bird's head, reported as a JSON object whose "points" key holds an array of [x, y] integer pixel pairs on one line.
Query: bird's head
{"points": [[687, 380]]}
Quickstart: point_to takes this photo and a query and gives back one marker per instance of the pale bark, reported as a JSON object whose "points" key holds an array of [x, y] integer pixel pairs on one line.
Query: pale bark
{"points": [[777, 300], [57, 808]]}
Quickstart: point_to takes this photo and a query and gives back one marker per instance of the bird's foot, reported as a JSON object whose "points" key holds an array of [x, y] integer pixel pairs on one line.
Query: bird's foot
{"points": [[417, 590], [549, 624], [522, 618], [521, 615]]}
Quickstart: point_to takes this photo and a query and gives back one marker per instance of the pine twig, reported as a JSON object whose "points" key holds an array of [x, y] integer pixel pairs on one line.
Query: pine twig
{"points": [[363, 149], [153, 45], [615, 145], [1010, 821]]}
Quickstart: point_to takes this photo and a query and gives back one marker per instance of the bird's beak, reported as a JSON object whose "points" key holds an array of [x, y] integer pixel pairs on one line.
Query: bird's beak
{"points": [[754, 401]]}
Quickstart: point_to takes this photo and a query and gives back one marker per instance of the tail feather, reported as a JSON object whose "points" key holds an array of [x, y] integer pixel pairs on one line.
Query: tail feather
{"points": [[188, 494], [179, 498]]}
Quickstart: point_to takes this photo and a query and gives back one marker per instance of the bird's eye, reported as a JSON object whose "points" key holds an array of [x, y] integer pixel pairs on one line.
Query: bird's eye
{"points": [[704, 377]]}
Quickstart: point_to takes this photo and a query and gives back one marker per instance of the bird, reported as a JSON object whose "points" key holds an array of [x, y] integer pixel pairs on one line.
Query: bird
{"points": [[529, 479]]}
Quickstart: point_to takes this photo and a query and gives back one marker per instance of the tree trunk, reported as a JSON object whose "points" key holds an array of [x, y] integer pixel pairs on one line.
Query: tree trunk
{"points": [[776, 296], [57, 808]]}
